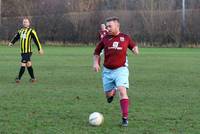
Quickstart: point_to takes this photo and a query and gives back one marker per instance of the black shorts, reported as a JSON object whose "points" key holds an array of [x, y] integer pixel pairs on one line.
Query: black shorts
{"points": [[26, 57]]}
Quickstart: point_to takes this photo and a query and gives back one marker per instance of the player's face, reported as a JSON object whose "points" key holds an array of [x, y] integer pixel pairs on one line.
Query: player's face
{"points": [[26, 23], [103, 27], [112, 27]]}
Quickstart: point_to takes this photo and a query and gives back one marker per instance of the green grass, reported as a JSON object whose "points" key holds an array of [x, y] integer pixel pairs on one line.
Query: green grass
{"points": [[164, 93]]}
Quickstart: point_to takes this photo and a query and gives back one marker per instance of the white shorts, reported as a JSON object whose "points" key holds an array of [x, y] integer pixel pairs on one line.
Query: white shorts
{"points": [[113, 78]]}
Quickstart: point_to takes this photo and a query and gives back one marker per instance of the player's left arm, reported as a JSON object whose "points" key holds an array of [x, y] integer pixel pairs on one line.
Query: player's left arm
{"points": [[135, 50], [37, 42], [133, 46]]}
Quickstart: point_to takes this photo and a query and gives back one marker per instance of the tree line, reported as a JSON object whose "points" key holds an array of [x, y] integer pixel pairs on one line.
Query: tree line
{"points": [[156, 22]]}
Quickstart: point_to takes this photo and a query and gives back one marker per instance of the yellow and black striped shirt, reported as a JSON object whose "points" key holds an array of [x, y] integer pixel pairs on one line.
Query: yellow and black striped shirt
{"points": [[26, 35]]}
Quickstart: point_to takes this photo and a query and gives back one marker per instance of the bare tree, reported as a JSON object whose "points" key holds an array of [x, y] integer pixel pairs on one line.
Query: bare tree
{"points": [[0, 13], [154, 21]]}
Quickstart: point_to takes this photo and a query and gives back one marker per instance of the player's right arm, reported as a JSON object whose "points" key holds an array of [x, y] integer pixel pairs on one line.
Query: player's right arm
{"points": [[14, 39], [96, 65], [96, 56]]}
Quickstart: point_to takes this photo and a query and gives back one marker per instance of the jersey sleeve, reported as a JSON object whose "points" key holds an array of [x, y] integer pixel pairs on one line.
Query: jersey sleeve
{"points": [[99, 48], [99, 35], [36, 40], [15, 38], [131, 44]]}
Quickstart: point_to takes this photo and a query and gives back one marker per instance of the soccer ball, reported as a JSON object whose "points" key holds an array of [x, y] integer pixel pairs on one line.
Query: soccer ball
{"points": [[96, 119]]}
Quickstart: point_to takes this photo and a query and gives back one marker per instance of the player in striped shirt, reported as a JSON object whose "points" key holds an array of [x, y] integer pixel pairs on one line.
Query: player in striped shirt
{"points": [[25, 35]]}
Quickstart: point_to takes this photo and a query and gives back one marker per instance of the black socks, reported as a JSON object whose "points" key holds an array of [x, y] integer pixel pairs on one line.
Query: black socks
{"points": [[30, 71], [21, 72]]}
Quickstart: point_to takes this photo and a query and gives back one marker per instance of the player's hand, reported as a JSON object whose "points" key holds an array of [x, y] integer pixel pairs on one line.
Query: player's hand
{"points": [[41, 52], [135, 50], [10, 44], [96, 67]]}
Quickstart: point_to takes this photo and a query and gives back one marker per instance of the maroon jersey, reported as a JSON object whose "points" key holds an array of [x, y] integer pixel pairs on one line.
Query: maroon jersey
{"points": [[102, 33], [115, 50]]}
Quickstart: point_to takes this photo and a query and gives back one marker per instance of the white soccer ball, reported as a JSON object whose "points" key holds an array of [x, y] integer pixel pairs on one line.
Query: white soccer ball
{"points": [[96, 119]]}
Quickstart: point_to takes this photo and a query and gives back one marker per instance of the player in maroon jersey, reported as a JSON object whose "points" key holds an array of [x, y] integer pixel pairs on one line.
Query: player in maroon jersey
{"points": [[103, 31], [115, 70]]}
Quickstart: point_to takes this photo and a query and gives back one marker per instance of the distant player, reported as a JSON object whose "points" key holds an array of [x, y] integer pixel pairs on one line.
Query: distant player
{"points": [[103, 31], [115, 71], [25, 35]]}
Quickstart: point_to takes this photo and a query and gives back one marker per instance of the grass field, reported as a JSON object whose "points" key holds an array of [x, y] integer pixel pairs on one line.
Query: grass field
{"points": [[164, 93]]}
